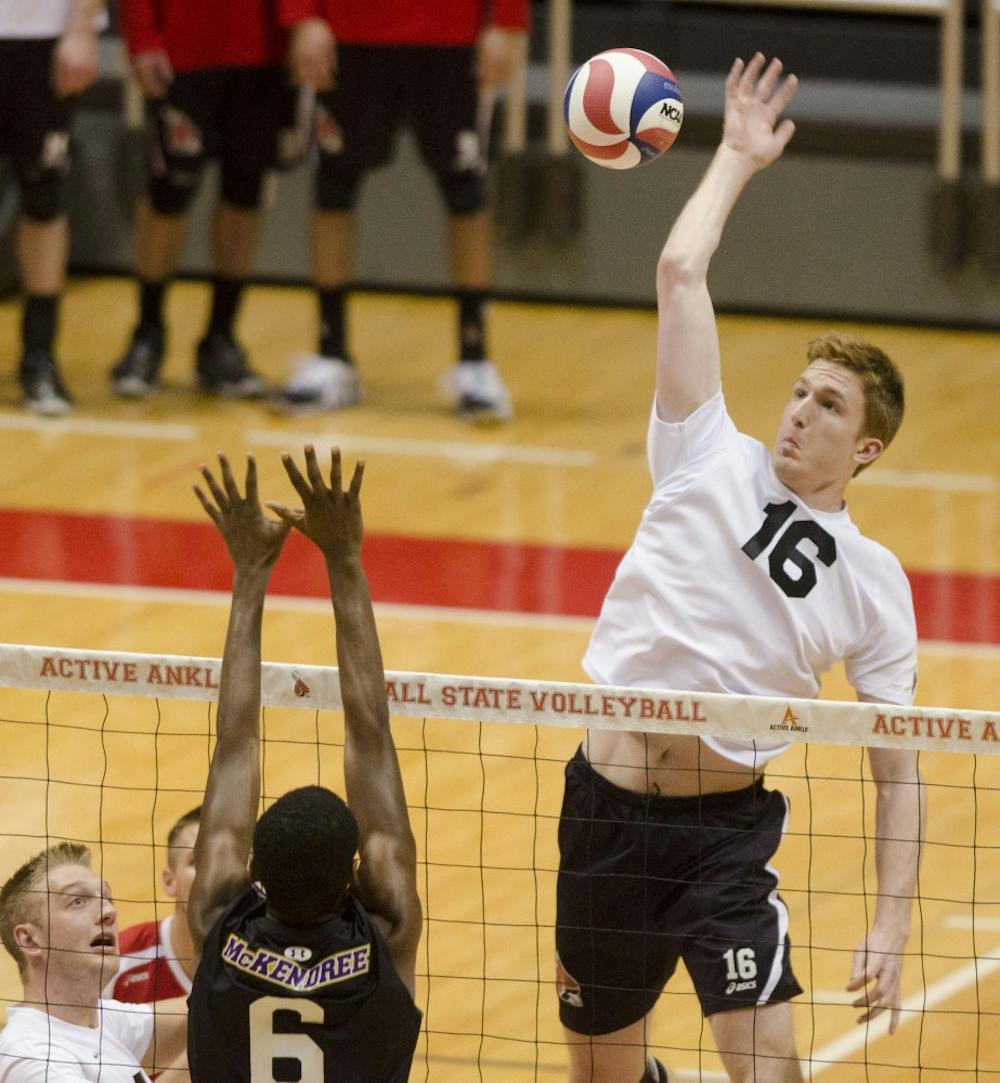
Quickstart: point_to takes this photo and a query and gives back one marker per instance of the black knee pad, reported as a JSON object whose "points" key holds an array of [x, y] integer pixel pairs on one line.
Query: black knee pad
{"points": [[464, 193], [172, 194], [336, 192], [43, 194], [242, 189]]}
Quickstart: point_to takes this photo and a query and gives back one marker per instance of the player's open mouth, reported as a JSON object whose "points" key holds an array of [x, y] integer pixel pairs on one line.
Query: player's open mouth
{"points": [[105, 942]]}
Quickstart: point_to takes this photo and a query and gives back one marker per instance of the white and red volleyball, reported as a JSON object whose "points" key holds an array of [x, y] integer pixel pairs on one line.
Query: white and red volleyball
{"points": [[623, 107]]}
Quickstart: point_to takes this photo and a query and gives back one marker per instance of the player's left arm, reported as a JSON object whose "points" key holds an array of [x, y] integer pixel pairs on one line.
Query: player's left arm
{"points": [[900, 824], [232, 794], [168, 1046]]}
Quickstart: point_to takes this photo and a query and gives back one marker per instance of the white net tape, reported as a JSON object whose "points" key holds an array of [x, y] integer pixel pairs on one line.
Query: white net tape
{"points": [[502, 699]]}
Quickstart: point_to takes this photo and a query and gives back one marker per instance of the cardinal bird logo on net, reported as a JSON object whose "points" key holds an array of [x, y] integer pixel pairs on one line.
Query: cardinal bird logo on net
{"points": [[300, 688]]}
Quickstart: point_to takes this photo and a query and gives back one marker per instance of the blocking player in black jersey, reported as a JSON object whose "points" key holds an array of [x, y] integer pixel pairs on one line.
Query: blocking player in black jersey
{"points": [[306, 970]]}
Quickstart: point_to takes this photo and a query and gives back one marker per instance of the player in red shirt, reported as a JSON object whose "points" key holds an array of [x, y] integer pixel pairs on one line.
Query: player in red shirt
{"points": [[156, 958], [217, 85], [433, 64]]}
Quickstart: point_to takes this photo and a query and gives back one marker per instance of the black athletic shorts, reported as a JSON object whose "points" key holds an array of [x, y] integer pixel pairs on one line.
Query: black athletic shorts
{"points": [[239, 116], [34, 123], [647, 880], [431, 89]]}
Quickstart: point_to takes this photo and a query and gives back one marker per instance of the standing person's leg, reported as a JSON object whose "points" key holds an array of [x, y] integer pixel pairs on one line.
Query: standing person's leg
{"points": [[38, 127], [355, 128], [253, 106], [179, 136], [453, 132]]}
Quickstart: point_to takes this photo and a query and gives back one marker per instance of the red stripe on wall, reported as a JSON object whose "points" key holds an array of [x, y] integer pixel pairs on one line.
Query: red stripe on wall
{"points": [[417, 571]]}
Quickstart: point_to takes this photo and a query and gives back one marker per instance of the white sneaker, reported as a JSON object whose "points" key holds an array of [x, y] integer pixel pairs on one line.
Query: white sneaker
{"points": [[477, 392], [320, 384]]}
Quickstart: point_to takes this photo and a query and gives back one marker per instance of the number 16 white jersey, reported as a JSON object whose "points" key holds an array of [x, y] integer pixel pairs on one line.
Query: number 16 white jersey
{"points": [[732, 584]]}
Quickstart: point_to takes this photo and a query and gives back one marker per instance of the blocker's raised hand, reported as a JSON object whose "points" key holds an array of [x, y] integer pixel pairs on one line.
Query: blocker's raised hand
{"points": [[330, 516], [254, 541]]}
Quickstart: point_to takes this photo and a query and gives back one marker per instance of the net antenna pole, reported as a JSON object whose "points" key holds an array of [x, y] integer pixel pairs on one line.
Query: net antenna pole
{"points": [[988, 225], [948, 217], [561, 189], [515, 214]]}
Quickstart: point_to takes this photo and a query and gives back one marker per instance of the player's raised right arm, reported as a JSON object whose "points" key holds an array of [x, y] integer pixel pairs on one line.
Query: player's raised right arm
{"points": [[688, 368]]}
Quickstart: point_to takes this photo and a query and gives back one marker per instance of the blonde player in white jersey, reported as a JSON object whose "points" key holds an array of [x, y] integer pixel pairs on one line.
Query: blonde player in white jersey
{"points": [[746, 575]]}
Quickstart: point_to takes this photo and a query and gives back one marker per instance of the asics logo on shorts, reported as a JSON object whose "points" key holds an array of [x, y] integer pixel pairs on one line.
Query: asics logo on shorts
{"points": [[567, 986]]}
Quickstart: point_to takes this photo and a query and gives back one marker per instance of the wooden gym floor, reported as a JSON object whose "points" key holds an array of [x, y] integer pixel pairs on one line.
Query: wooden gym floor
{"points": [[104, 547]]}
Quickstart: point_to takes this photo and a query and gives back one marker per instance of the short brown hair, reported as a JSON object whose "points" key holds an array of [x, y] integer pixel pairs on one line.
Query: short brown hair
{"points": [[881, 381], [18, 898], [192, 817]]}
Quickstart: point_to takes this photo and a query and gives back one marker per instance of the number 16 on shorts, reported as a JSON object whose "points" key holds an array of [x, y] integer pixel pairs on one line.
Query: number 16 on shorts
{"points": [[741, 969]]}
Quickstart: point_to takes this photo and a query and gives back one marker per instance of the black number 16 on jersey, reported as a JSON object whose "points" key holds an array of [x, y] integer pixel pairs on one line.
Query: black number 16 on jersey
{"points": [[786, 549]]}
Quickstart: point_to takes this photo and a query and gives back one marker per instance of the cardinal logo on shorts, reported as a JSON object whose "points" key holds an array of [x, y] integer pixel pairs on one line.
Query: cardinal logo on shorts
{"points": [[468, 153], [567, 986], [183, 135], [55, 150], [300, 688], [329, 137]]}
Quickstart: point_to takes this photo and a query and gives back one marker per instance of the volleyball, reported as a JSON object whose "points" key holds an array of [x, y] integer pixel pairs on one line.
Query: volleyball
{"points": [[623, 107]]}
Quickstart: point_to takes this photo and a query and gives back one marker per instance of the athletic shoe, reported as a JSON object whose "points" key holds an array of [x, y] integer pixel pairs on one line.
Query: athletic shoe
{"points": [[477, 392], [136, 375], [44, 392], [223, 369], [320, 384]]}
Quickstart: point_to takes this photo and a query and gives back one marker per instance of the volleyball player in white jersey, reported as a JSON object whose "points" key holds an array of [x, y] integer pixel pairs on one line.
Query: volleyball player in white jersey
{"points": [[747, 576]]}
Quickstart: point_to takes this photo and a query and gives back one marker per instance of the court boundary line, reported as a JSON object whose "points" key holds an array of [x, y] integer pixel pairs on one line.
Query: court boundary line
{"points": [[987, 652]]}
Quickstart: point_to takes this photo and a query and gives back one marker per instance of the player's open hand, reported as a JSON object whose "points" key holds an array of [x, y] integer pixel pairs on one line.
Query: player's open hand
{"points": [[878, 959], [330, 516], [254, 541], [755, 101]]}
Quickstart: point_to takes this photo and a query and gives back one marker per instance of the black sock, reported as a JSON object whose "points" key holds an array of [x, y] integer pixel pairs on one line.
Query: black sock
{"points": [[471, 320], [333, 322], [226, 294], [38, 321], [151, 304]]}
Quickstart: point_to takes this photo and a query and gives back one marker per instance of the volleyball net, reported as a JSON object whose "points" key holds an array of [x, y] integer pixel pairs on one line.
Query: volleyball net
{"points": [[110, 749]]}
